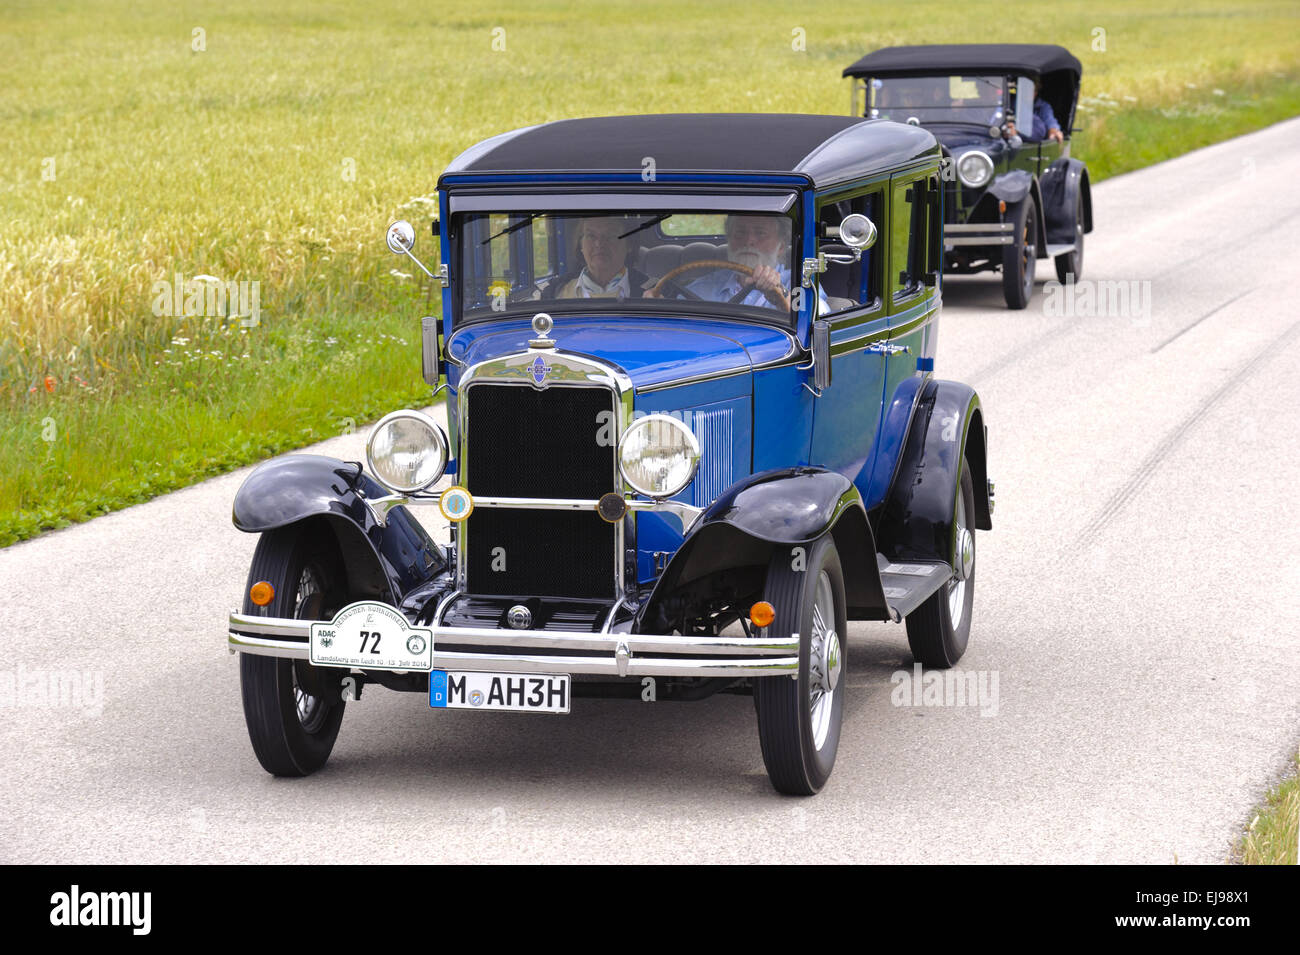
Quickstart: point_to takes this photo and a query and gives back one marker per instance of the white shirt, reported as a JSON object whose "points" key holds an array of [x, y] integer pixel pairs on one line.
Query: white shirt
{"points": [[584, 286]]}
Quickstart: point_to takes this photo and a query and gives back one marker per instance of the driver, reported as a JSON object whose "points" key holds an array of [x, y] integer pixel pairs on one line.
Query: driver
{"points": [[758, 242], [761, 243]]}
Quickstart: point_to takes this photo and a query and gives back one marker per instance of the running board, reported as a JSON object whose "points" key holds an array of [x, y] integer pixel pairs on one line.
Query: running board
{"points": [[908, 585]]}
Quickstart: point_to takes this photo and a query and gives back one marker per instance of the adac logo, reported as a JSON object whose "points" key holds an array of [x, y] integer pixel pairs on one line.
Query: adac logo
{"points": [[415, 644], [538, 370], [456, 503]]}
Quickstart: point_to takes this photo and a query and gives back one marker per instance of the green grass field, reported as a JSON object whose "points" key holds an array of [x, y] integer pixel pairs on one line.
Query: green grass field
{"points": [[274, 142]]}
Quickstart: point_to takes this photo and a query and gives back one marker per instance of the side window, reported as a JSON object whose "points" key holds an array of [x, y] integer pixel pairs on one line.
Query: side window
{"points": [[852, 285], [915, 230]]}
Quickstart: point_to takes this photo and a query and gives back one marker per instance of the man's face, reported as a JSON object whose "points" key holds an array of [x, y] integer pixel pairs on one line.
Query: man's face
{"points": [[602, 248], [754, 240]]}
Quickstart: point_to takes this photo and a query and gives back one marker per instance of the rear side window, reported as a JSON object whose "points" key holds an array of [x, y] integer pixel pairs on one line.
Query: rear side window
{"points": [[907, 237]]}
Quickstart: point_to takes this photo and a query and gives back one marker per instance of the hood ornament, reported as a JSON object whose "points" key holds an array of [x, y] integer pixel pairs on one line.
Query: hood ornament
{"points": [[542, 325]]}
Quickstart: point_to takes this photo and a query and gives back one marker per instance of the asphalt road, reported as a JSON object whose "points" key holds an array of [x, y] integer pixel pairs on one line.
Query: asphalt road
{"points": [[1136, 604]]}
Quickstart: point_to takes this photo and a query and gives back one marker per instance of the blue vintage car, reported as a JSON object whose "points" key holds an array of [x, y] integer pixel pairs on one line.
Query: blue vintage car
{"points": [[694, 429]]}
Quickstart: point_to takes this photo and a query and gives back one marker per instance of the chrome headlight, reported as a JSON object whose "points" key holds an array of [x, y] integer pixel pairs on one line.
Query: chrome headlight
{"points": [[658, 455], [974, 168], [407, 452]]}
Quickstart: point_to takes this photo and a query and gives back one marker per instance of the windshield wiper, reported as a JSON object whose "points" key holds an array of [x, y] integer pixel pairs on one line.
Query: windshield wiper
{"points": [[647, 224], [512, 228]]}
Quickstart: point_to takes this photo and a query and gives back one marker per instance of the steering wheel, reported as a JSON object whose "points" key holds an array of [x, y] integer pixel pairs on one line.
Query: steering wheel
{"points": [[702, 264]]}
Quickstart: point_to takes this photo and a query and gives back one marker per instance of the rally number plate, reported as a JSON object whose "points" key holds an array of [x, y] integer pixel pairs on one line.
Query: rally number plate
{"points": [[371, 636]]}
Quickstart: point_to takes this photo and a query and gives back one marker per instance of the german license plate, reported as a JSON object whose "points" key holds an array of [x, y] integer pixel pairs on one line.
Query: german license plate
{"points": [[515, 692], [371, 636]]}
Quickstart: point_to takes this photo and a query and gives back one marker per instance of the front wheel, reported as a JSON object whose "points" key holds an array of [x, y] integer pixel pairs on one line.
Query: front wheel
{"points": [[1020, 258], [799, 719], [293, 710], [939, 629]]}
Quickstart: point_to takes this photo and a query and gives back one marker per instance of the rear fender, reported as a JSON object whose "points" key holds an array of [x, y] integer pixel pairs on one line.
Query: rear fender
{"points": [[916, 522], [1062, 185]]}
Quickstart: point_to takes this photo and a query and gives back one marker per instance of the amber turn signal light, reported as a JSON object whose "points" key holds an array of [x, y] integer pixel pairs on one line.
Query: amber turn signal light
{"points": [[261, 593], [762, 614]]}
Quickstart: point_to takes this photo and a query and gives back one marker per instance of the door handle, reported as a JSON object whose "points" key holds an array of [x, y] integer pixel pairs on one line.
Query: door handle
{"points": [[885, 348]]}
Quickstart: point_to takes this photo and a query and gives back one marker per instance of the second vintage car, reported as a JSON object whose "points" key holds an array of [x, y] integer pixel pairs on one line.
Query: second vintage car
{"points": [[1004, 114], [694, 430]]}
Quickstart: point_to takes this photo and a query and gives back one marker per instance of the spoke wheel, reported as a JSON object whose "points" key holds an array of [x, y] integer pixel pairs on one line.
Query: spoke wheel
{"points": [[939, 630], [799, 719], [293, 710], [1019, 260], [1069, 267]]}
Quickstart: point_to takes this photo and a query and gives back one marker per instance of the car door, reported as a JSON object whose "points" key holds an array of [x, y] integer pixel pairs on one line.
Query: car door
{"points": [[846, 416], [915, 247]]}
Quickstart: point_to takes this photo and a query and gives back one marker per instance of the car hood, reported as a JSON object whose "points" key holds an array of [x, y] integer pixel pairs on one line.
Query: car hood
{"points": [[650, 351], [959, 135]]}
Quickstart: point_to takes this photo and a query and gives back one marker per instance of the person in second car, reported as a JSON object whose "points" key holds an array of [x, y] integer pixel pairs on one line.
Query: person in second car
{"points": [[1045, 125]]}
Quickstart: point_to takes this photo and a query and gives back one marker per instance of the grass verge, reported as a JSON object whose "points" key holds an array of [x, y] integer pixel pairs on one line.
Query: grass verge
{"points": [[1273, 837]]}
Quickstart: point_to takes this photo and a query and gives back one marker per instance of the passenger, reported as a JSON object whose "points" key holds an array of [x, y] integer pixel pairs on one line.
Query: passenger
{"points": [[606, 273]]}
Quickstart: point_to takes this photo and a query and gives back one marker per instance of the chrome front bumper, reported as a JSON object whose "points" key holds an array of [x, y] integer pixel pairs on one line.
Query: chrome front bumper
{"points": [[601, 654]]}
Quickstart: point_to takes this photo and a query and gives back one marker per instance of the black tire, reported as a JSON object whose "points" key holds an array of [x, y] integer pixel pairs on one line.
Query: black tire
{"points": [[799, 739], [293, 710], [934, 639], [1069, 267], [1019, 259]]}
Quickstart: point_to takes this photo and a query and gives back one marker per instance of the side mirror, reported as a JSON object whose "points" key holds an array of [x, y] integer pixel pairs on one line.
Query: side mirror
{"points": [[857, 231], [431, 350], [821, 349], [401, 239]]}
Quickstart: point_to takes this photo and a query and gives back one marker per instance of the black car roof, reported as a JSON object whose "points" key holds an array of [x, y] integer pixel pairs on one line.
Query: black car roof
{"points": [[823, 148], [1029, 58]]}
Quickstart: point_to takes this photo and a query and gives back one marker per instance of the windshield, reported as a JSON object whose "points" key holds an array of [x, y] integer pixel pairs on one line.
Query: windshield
{"points": [[653, 259], [939, 99]]}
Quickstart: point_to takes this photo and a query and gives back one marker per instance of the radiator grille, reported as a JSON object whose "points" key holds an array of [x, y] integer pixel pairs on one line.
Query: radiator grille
{"points": [[522, 442]]}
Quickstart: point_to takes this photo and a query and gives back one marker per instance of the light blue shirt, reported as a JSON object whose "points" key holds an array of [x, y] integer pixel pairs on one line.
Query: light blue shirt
{"points": [[721, 285]]}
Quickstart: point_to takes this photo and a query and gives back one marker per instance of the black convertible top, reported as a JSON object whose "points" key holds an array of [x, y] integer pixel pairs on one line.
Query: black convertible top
{"points": [[822, 148], [1032, 59]]}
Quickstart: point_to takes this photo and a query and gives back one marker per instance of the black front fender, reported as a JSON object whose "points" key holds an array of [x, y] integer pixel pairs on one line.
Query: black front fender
{"points": [[787, 507], [916, 522], [382, 560], [1011, 186]]}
